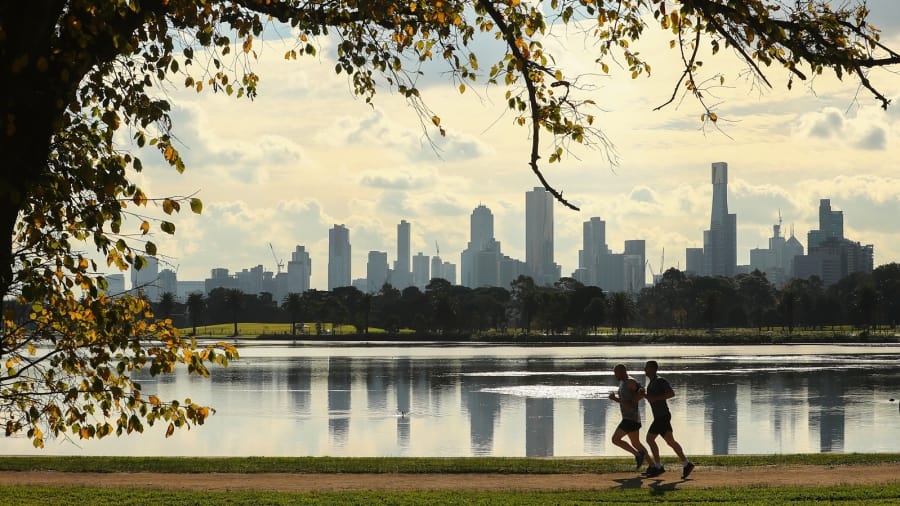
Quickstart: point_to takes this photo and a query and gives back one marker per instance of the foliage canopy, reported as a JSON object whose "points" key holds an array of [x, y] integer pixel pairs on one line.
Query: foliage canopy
{"points": [[79, 75]]}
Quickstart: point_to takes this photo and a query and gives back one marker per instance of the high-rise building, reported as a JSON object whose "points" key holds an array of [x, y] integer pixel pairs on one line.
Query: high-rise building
{"points": [[720, 241], [146, 279], [777, 260], [115, 284], [420, 272], [377, 271], [186, 288], [167, 282], [299, 272], [437, 268], [448, 272], [481, 259], [481, 227], [401, 277], [831, 256], [593, 246], [693, 265], [539, 237], [338, 257], [635, 265], [831, 225], [250, 281], [219, 278]]}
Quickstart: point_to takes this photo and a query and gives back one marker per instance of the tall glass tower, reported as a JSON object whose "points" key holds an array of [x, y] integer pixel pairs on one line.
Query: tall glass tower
{"points": [[539, 236], [338, 257], [720, 241]]}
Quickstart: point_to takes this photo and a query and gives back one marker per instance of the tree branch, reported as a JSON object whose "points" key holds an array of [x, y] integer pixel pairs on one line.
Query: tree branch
{"points": [[526, 66]]}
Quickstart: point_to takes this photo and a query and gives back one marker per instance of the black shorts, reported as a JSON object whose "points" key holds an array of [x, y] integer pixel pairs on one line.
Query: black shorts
{"points": [[660, 426], [627, 426]]}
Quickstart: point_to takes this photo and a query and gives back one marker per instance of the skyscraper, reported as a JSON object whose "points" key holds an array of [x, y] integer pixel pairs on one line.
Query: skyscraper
{"points": [[481, 227], [376, 271], [338, 257], [720, 241], [401, 277], [539, 236], [146, 279], [831, 225], [481, 259], [635, 265], [299, 271], [420, 269], [593, 246]]}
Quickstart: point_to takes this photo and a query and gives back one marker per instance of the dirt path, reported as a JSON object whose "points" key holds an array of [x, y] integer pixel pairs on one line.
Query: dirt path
{"points": [[286, 482]]}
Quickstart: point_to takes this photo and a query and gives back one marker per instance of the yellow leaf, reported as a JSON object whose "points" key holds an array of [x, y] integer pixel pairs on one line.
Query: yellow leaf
{"points": [[713, 117], [436, 120], [169, 153], [145, 227], [170, 430], [154, 400]]}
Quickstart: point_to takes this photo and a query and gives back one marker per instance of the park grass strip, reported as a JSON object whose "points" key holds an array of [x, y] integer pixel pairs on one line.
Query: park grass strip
{"points": [[510, 465], [848, 495]]}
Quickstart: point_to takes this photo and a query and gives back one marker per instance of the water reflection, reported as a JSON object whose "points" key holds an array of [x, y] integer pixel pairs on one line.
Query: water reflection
{"points": [[476, 401]]}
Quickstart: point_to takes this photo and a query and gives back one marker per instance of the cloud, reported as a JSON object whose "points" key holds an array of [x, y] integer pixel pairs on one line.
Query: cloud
{"points": [[643, 194], [452, 147], [398, 179], [824, 125], [875, 140]]}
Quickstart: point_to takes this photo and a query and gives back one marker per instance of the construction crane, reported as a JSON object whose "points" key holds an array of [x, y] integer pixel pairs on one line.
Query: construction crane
{"points": [[278, 263], [650, 268], [662, 262]]}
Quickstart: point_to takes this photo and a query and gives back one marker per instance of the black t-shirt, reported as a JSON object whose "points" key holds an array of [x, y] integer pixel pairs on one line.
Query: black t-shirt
{"points": [[656, 387]]}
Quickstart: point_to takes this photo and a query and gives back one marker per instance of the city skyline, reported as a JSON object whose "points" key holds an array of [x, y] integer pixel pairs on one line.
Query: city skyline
{"points": [[281, 170], [828, 254]]}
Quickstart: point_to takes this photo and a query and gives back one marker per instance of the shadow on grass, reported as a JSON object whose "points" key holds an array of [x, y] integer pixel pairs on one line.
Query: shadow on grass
{"points": [[658, 487], [630, 483]]}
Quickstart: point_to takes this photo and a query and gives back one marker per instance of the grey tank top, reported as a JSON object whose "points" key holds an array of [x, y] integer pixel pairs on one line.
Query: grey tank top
{"points": [[630, 411]]}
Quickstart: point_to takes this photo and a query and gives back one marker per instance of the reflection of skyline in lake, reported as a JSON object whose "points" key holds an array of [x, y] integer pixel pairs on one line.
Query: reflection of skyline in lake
{"points": [[370, 401]]}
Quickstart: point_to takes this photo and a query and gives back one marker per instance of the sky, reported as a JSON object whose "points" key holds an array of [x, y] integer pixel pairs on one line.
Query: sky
{"points": [[307, 154]]}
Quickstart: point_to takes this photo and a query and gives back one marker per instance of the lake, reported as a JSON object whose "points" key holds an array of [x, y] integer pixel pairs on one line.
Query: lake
{"points": [[423, 400]]}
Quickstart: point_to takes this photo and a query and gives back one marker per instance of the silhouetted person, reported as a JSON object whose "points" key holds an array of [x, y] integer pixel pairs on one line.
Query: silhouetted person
{"points": [[629, 394], [657, 392]]}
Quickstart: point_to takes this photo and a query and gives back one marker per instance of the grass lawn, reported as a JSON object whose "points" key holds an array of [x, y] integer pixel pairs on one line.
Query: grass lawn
{"points": [[881, 494]]}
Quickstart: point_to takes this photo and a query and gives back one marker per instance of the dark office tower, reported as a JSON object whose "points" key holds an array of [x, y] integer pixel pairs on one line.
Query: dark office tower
{"points": [[480, 261], [338, 257], [720, 241], [401, 277], [593, 248], [831, 225], [481, 228], [539, 237], [635, 265]]}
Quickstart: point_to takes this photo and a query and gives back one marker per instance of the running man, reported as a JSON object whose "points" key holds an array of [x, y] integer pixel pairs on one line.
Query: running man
{"points": [[630, 393], [658, 391]]}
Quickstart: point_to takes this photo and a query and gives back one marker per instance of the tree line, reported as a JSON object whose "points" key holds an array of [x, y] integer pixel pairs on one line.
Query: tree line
{"points": [[676, 302]]}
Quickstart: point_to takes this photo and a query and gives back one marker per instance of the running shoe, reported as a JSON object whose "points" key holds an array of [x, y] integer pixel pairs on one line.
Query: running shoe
{"points": [[654, 471], [686, 470]]}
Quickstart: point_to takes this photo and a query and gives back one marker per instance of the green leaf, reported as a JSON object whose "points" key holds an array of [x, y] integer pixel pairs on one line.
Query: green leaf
{"points": [[167, 227], [196, 206]]}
